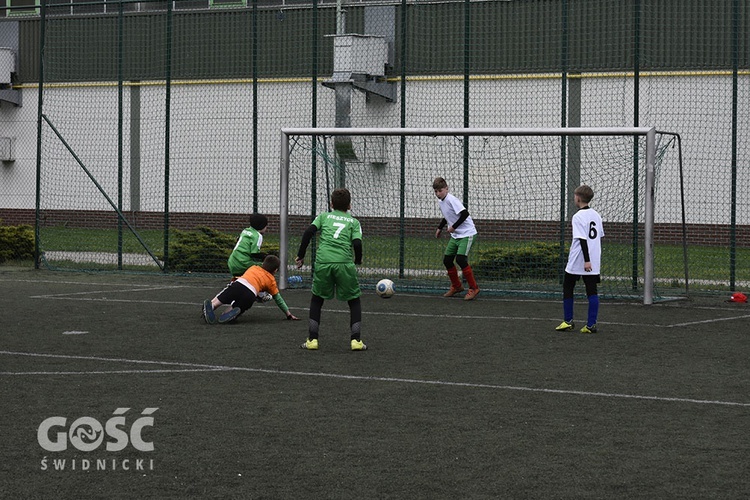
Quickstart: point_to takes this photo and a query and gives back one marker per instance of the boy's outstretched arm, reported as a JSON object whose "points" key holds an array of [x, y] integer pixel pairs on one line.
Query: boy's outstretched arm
{"points": [[284, 308], [306, 238], [357, 245]]}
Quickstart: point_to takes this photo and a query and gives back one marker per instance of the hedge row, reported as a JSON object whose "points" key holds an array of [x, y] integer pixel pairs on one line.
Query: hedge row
{"points": [[16, 243]]}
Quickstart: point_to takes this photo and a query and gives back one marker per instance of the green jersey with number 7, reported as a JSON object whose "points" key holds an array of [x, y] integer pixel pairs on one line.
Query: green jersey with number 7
{"points": [[337, 230]]}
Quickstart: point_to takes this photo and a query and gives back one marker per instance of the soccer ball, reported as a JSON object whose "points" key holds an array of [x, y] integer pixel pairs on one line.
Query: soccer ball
{"points": [[385, 288]]}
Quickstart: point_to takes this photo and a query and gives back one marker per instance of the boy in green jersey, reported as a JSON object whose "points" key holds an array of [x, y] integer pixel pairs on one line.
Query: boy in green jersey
{"points": [[335, 273], [246, 252]]}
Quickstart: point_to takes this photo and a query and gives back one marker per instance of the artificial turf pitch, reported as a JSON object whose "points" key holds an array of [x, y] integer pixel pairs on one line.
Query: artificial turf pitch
{"points": [[452, 399]]}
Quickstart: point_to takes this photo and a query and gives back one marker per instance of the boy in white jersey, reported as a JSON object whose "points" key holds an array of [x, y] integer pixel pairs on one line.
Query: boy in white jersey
{"points": [[584, 260], [463, 232]]}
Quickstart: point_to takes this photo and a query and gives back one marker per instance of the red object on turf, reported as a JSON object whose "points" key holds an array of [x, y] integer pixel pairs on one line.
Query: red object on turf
{"points": [[738, 297]]}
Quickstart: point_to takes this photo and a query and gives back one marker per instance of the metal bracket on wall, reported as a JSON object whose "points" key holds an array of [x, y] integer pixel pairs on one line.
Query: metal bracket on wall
{"points": [[366, 83], [8, 94]]}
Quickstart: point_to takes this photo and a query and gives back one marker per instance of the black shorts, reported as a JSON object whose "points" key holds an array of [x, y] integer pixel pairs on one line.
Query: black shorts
{"points": [[237, 295], [590, 280]]}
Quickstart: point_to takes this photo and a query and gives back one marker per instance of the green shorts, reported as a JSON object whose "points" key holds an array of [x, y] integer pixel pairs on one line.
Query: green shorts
{"points": [[239, 270], [339, 278], [460, 246]]}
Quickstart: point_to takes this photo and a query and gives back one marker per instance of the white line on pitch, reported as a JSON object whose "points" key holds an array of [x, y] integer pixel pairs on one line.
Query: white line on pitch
{"points": [[443, 383], [55, 282], [71, 294], [116, 372], [103, 299], [466, 316], [704, 321], [338, 311], [373, 313]]}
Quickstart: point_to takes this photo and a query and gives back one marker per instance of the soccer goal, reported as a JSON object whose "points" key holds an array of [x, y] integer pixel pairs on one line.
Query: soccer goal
{"points": [[516, 183]]}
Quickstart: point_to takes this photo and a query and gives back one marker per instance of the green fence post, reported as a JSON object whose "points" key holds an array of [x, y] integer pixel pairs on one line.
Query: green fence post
{"points": [[168, 94], [255, 104], [733, 205], [402, 151], [119, 129], [467, 72], [563, 140], [37, 212], [636, 110]]}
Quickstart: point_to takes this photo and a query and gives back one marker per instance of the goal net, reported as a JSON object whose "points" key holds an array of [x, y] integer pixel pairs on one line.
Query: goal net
{"points": [[517, 184]]}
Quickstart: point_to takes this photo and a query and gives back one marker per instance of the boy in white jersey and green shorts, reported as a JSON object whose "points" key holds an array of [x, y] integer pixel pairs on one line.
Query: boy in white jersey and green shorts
{"points": [[335, 274], [463, 233]]}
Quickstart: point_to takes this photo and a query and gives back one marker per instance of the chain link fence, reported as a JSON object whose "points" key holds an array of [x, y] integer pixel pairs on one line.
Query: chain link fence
{"points": [[143, 119]]}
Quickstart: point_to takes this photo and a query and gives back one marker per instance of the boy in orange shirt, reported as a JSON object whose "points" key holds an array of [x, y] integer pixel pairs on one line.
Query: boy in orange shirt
{"points": [[241, 293]]}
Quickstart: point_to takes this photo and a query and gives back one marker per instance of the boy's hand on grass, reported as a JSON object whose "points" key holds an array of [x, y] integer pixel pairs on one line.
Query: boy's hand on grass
{"points": [[291, 317]]}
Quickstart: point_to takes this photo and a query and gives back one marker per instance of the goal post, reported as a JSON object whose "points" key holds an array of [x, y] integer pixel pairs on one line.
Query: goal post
{"points": [[489, 169]]}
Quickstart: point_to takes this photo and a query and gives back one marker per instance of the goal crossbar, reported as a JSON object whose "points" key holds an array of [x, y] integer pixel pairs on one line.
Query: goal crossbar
{"points": [[566, 131], [648, 132]]}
